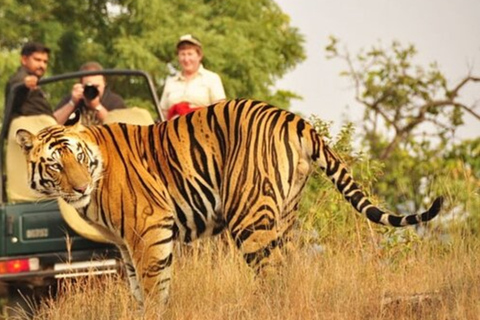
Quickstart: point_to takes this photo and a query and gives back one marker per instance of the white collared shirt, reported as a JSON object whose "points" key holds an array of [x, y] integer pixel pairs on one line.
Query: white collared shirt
{"points": [[201, 91]]}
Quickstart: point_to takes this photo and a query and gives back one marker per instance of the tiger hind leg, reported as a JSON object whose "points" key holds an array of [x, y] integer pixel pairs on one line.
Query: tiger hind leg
{"points": [[263, 239], [264, 232]]}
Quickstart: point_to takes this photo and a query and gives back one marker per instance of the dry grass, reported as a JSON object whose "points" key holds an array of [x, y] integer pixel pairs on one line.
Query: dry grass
{"points": [[431, 281]]}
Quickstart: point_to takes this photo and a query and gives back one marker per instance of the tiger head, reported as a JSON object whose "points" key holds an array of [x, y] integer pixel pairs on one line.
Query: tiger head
{"points": [[61, 164]]}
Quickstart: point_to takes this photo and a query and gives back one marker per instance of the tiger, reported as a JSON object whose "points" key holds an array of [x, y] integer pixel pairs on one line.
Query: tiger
{"points": [[237, 166]]}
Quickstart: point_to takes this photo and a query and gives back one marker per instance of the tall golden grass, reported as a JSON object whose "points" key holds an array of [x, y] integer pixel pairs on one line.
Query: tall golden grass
{"points": [[363, 272], [431, 280]]}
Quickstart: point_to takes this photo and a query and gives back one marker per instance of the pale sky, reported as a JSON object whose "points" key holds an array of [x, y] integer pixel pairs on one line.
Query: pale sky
{"points": [[445, 31]]}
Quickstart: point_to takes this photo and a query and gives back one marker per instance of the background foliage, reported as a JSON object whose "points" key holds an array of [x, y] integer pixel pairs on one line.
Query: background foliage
{"points": [[411, 111], [249, 43]]}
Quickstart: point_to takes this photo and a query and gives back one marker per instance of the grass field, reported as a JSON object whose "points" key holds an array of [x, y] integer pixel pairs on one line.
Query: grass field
{"points": [[344, 268], [348, 280]]}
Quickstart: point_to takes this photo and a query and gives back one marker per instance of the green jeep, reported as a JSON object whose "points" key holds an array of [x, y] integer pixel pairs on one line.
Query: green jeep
{"points": [[37, 247]]}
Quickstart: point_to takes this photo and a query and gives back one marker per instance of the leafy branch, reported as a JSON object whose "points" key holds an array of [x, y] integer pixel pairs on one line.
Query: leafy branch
{"points": [[404, 96]]}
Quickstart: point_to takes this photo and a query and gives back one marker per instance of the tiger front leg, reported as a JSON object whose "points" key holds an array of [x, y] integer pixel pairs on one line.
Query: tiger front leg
{"points": [[152, 256], [131, 274]]}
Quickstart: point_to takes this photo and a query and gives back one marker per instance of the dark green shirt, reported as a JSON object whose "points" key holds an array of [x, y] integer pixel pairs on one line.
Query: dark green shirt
{"points": [[26, 102]]}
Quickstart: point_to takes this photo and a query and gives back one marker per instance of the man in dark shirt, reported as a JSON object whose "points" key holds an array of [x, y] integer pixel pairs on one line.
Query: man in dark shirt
{"points": [[90, 99], [29, 99]]}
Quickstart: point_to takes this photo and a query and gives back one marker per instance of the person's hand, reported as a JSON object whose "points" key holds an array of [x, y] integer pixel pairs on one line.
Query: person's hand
{"points": [[92, 104], [30, 82], [77, 92]]}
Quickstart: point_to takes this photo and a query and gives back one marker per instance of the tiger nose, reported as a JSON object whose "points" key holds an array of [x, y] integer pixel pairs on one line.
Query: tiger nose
{"points": [[80, 189]]}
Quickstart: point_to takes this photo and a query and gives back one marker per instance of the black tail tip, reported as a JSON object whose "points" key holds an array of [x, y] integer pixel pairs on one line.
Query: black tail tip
{"points": [[436, 206], [433, 211]]}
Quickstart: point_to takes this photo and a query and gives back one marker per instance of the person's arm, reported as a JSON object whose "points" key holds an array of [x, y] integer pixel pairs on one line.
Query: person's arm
{"points": [[68, 104], [217, 92], [21, 92], [64, 111], [29, 81], [96, 105], [101, 112]]}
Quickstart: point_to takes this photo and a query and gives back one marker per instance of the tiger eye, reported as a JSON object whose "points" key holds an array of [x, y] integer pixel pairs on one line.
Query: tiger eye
{"points": [[55, 166], [80, 157]]}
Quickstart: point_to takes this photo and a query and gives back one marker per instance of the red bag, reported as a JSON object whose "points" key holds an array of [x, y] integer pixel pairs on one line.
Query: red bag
{"points": [[180, 109]]}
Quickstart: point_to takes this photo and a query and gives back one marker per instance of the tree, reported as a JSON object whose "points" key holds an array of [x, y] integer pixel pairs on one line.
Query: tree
{"points": [[411, 114], [404, 96], [249, 43]]}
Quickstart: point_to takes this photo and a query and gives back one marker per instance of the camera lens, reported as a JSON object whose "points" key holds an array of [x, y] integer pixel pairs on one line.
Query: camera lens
{"points": [[90, 92]]}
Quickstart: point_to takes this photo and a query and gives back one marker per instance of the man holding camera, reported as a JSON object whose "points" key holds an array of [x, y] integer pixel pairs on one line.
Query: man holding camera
{"points": [[90, 99]]}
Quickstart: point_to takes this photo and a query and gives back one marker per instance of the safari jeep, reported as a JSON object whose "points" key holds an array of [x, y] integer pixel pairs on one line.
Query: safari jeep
{"points": [[37, 246]]}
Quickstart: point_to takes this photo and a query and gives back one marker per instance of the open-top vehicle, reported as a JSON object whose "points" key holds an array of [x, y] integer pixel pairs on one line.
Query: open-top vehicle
{"points": [[37, 246]]}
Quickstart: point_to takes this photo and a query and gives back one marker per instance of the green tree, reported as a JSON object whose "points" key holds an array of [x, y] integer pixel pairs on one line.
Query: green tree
{"points": [[249, 43], [401, 98], [411, 115]]}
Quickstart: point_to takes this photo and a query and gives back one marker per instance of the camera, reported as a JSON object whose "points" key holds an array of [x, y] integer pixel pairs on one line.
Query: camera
{"points": [[90, 91]]}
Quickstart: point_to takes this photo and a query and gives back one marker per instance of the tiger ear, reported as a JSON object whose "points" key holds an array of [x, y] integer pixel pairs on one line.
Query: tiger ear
{"points": [[25, 139]]}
